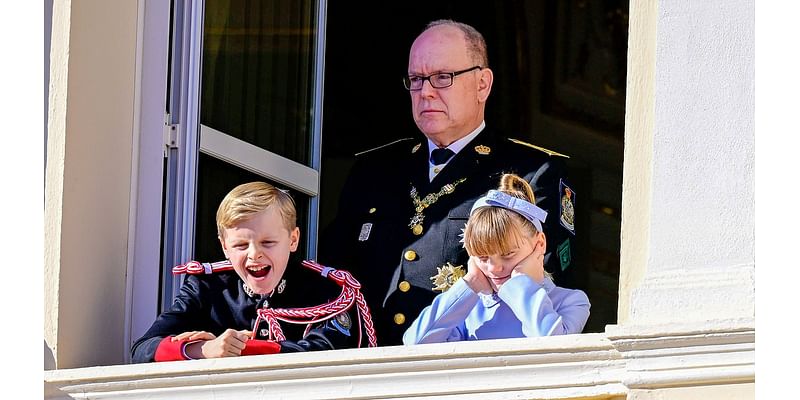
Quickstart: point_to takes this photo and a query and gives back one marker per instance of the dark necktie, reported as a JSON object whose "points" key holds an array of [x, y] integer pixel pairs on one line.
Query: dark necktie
{"points": [[440, 156]]}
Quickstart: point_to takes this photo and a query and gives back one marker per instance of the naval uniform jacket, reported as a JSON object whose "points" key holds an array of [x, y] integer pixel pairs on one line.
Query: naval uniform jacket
{"points": [[371, 236], [521, 308], [216, 302]]}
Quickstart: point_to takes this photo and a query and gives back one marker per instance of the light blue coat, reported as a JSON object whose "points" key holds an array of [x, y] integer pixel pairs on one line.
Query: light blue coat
{"points": [[521, 308]]}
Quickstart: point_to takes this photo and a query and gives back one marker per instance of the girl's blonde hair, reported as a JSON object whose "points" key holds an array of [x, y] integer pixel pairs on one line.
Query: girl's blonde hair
{"points": [[497, 230], [248, 199]]}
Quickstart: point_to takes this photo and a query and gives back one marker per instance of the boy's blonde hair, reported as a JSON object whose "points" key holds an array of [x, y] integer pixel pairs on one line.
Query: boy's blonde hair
{"points": [[496, 230], [248, 199]]}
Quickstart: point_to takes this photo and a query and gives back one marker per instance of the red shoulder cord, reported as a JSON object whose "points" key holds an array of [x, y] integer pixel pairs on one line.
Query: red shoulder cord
{"points": [[351, 294]]}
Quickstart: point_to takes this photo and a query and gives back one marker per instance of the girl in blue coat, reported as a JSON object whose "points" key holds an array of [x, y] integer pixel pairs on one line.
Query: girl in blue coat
{"points": [[506, 293]]}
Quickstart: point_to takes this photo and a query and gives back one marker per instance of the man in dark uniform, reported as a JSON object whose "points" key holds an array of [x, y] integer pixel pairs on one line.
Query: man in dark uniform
{"points": [[404, 205]]}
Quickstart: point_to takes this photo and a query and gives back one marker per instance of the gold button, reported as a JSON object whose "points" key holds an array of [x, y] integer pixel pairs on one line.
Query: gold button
{"points": [[399, 318], [404, 286], [417, 230], [410, 255], [372, 210], [436, 170]]}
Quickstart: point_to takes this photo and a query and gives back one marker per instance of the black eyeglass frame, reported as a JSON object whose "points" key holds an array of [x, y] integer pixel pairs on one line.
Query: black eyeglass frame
{"points": [[453, 75]]}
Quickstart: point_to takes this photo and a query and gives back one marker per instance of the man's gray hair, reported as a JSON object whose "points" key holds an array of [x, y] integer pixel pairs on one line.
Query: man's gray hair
{"points": [[476, 44]]}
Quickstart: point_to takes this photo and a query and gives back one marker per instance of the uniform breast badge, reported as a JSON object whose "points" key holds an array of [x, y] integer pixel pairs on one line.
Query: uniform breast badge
{"points": [[365, 230], [447, 276], [421, 204], [342, 323], [567, 207]]}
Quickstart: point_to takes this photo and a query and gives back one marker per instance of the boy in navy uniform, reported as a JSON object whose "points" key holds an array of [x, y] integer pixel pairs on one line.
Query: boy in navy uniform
{"points": [[214, 315], [405, 204]]}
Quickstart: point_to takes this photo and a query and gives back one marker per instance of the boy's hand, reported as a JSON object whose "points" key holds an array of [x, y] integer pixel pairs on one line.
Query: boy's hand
{"points": [[229, 344], [194, 335], [475, 278], [532, 265]]}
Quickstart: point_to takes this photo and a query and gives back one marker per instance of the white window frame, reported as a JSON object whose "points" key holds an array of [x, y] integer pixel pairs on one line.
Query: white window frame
{"points": [[178, 137]]}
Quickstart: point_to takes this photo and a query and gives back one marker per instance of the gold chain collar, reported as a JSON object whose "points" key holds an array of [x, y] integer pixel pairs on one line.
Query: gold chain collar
{"points": [[421, 204]]}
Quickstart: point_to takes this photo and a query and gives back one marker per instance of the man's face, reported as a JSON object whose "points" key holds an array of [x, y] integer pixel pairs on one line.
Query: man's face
{"points": [[447, 114], [259, 248]]}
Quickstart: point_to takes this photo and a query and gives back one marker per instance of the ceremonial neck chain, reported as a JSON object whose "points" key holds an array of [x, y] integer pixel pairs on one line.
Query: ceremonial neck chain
{"points": [[421, 205]]}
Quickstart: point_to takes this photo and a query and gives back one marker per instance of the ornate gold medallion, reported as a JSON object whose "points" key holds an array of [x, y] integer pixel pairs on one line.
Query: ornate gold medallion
{"points": [[421, 204], [447, 276], [483, 150]]}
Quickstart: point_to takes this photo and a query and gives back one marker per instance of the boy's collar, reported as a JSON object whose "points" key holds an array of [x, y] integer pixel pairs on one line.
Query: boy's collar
{"points": [[281, 287]]}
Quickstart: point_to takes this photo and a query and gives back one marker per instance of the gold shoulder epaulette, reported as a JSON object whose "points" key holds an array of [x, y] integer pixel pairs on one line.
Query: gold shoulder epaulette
{"points": [[382, 146], [542, 149]]}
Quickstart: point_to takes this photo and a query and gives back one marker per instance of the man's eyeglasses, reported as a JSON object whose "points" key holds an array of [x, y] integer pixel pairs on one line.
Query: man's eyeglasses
{"points": [[438, 80]]}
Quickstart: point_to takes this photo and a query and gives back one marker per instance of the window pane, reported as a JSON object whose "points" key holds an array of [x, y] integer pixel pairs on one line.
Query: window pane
{"points": [[257, 82], [215, 179]]}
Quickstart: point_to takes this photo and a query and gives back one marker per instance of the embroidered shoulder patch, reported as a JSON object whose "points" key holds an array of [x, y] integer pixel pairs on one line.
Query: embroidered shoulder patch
{"points": [[566, 206], [564, 254]]}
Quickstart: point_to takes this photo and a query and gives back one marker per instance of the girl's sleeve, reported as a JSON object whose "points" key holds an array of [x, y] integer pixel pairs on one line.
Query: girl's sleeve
{"points": [[561, 312], [443, 320]]}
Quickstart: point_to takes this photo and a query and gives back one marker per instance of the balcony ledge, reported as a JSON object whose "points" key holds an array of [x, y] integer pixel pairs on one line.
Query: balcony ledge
{"points": [[597, 365]]}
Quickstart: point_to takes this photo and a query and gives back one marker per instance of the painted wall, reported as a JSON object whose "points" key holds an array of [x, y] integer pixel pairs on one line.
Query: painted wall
{"points": [[88, 180], [699, 257]]}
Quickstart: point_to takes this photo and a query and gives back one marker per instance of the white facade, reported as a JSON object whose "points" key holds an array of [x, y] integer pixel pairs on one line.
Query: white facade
{"points": [[687, 288]]}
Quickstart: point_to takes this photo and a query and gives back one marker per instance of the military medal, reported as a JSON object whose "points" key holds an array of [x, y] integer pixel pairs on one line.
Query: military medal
{"points": [[447, 276], [421, 205]]}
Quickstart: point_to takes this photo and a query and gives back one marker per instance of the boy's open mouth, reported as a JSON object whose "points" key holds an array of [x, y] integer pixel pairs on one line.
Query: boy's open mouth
{"points": [[259, 271]]}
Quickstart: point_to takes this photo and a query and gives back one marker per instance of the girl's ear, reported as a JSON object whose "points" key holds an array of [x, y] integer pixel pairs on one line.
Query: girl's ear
{"points": [[541, 240]]}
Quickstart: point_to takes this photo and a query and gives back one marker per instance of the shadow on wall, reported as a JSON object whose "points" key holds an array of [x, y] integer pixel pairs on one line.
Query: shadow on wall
{"points": [[49, 359]]}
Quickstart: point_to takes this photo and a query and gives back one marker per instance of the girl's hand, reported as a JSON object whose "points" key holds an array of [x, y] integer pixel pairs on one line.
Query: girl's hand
{"points": [[475, 278], [533, 264]]}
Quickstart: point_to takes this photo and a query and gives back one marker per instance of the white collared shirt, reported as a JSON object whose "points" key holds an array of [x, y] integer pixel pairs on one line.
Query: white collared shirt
{"points": [[455, 147]]}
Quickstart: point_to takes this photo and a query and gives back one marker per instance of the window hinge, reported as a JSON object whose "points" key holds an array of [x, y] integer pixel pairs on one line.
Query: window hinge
{"points": [[170, 134]]}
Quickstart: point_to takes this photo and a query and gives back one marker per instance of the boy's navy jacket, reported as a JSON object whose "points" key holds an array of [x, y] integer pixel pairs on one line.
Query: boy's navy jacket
{"points": [[216, 302]]}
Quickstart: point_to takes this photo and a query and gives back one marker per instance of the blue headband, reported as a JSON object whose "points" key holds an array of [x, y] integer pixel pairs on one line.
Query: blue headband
{"points": [[497, 198]]}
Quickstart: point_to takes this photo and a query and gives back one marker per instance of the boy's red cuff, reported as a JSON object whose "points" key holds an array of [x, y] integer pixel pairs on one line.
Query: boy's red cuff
{"points": [[257, 346], [168, 350]]}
